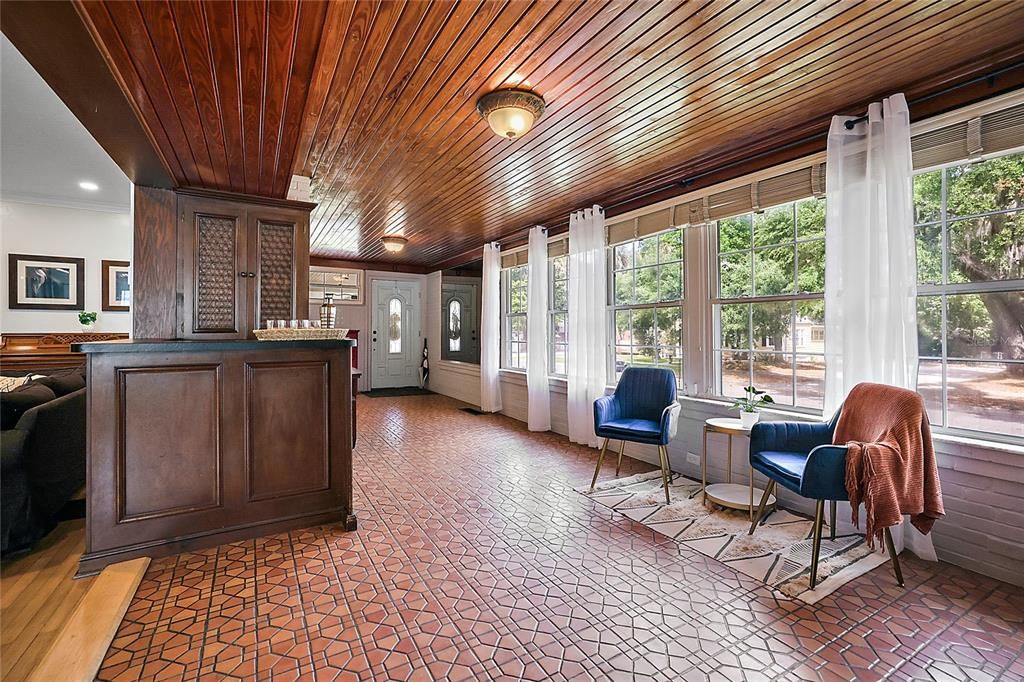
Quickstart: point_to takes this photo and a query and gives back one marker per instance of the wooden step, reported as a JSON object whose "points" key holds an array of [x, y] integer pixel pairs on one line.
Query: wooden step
{"points": [[78, 651]]}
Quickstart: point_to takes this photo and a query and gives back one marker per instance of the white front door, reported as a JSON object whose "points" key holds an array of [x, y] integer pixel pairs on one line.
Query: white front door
{"points": [[396, 339]]}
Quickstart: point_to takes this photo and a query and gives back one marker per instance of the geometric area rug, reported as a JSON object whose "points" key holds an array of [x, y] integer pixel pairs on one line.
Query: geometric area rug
{"points": [[778, 553]]}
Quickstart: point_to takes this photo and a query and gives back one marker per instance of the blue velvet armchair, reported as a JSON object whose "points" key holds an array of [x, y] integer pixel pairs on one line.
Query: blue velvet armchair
{"points": [[801, 457], [643, 409]]}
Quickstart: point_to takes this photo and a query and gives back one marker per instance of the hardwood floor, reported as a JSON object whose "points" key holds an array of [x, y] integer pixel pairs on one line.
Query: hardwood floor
{"points": [[37, 596], [53, 627]]}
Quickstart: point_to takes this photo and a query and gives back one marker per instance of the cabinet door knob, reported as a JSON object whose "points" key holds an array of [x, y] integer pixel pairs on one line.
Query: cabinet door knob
{"points": [[251, 274], [242, 274]]}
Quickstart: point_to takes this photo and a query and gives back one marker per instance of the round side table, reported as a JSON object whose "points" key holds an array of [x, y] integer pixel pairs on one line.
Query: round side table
{"points": [[729, 494]]}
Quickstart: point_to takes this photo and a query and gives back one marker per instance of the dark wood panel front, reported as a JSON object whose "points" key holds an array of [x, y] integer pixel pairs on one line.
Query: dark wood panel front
{"points": [[155, 264], [287, 428], [189, 448], [175, 454]]}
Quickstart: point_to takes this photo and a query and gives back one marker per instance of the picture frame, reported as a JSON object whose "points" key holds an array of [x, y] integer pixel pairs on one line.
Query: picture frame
{"points": [[45, 282], [116, 285]]}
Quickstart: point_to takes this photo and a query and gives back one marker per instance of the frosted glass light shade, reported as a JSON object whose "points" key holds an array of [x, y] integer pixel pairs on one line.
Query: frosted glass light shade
{"points": [[394, 242], [510, 122], [511, 113]]}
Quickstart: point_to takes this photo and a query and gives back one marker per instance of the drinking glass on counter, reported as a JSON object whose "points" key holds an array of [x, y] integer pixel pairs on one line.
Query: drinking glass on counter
{"points": [[293, 324], [304, 324]]}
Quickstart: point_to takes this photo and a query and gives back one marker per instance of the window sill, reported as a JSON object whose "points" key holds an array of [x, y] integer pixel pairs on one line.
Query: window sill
{"points": [[556, 384], [456, 366], [715, 407]]}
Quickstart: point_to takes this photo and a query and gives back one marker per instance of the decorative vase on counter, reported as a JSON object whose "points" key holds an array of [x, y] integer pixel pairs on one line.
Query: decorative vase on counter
{"points": [[328, 311], [748, 419]]}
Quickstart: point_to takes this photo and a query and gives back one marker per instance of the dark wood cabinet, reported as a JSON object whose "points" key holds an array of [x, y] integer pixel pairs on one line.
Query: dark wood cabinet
{"points": [[196, 443], [240, 264]]}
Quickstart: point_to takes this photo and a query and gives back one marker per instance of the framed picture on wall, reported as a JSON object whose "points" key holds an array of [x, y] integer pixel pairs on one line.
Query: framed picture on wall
{"points": [[45, 282], [117, 285]]}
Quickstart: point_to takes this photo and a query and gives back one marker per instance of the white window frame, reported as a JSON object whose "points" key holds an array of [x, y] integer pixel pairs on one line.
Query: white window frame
{"points": [[614, 308], [553, 312], [506, 319], [944, 290], [717, 300]]}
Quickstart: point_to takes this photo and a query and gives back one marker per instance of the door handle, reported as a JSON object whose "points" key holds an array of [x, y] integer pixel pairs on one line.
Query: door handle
{"points": [[250, 274], [243, 274]]}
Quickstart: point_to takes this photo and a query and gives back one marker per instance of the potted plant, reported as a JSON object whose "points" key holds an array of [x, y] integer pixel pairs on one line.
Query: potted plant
{"points": [[749, 405], [87, 320]]}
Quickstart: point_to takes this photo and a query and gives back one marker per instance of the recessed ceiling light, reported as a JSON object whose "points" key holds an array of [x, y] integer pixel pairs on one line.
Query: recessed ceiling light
{"points": [[88, 185]]}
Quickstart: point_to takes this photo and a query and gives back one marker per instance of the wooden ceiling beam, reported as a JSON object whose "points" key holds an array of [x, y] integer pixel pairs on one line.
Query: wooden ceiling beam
{"points": [[55, 41]]}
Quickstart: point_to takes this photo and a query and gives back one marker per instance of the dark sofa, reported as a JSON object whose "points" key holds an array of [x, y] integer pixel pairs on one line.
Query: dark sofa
{"points": [[43, 455]]}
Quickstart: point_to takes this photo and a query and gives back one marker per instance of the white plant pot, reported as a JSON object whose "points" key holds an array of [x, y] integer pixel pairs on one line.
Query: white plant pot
{"points": [[87, 327], [748, 419]]}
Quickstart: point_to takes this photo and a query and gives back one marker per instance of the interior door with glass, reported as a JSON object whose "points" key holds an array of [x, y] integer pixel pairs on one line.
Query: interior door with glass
{"points": [[459, 313], [396, 339]]}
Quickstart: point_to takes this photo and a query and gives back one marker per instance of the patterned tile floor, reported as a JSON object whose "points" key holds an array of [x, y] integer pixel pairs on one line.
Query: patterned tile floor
{"points": [[474, 560]]}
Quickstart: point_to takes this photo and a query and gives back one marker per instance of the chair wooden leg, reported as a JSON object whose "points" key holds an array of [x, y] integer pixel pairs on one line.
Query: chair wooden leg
{"points": [[819, 519], [666, 475], [832, 520], [618, 464], [760, 509], [600, 459], [890, 547]]}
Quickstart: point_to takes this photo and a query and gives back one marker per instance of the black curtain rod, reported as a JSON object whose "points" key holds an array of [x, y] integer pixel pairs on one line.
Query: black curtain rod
{"points": [[987, 77]]}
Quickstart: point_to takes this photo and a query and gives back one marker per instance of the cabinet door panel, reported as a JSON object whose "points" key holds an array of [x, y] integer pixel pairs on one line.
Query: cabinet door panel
{"points": [[214, 249], [279, 256], [275, 293]]}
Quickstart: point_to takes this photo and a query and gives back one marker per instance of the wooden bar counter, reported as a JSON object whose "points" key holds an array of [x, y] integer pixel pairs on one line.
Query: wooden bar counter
{"points": [[196, 443]]}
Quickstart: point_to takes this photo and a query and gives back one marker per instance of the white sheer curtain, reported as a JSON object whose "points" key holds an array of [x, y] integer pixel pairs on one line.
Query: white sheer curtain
{"points": [[587, 361], [871, 264], [490, 329], [539, 400]]}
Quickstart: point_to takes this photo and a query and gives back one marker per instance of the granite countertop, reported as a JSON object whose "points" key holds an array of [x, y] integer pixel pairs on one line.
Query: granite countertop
{"points": [[203, 345]]}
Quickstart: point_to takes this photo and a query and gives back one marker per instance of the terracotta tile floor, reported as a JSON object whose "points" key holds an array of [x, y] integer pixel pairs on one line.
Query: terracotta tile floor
{"points": [[474, 560]]}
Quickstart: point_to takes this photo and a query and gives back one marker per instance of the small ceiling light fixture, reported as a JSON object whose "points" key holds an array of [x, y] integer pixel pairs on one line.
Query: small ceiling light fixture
{"points": [[511, 113], [88, 185], [393, 242]]}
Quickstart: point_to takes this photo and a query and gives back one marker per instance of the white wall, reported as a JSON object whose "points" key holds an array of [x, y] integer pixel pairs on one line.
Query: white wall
{"points": [[94, 235]]}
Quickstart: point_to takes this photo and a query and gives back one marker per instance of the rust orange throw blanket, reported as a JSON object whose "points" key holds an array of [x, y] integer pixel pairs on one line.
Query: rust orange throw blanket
{"points": [[890, 464]]}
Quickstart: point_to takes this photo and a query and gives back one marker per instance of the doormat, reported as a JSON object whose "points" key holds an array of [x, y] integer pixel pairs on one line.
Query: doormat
{"points": [[396, 392], [778, 553]]}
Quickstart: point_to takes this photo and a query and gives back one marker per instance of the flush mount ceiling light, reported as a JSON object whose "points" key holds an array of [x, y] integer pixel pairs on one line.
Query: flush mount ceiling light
{"points": [[511, 113], [393, 242], [88, 185]]}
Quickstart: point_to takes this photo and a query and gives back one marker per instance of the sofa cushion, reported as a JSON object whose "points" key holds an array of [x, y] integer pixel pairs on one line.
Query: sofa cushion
{"points": [[15, 403], [63, 382]]}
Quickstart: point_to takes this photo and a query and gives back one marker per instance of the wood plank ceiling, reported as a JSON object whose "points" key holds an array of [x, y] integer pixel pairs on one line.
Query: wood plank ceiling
{"points": [[375, 99]]}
